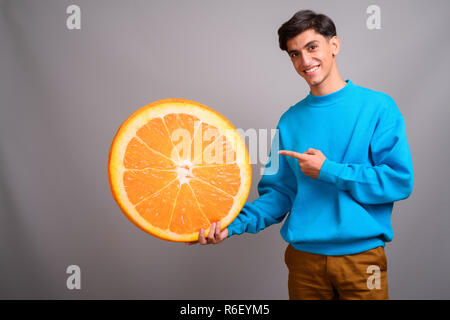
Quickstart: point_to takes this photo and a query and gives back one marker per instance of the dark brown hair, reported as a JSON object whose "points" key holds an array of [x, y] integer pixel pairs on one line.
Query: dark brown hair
{"points": [[304, 20]]}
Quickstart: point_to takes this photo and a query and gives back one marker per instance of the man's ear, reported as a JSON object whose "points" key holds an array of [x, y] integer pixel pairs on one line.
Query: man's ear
{"points": [[335, 44]]}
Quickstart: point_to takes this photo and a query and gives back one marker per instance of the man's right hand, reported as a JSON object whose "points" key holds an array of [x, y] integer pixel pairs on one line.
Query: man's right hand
{"points": [[215, 236]]}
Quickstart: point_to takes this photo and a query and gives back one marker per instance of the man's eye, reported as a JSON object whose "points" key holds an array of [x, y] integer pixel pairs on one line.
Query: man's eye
{"points": [[313, 46], [293, 54]]}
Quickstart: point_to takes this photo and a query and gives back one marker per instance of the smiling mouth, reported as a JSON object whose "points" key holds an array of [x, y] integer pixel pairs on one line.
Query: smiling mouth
{"points": [[312, 70]]}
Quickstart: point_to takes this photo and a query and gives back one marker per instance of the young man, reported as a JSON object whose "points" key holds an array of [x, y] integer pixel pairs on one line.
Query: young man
{"points": [[346, 160]]}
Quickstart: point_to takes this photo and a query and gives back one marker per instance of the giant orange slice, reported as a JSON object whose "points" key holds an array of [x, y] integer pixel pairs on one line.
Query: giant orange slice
{"points": [[176, 166]]}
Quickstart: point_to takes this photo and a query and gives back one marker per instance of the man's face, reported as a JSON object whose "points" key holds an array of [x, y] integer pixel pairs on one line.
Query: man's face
{"points": [[309, 50]]}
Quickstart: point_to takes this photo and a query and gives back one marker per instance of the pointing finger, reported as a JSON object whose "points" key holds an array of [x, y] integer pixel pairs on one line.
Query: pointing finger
{"points": [[293, 154]]}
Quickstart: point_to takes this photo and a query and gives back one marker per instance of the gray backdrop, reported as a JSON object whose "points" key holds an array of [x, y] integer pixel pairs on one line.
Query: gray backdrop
{"points": [[64, 93]]}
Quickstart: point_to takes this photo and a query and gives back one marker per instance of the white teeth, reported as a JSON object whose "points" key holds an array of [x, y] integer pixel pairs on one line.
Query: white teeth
{"points": [[312, 69]]}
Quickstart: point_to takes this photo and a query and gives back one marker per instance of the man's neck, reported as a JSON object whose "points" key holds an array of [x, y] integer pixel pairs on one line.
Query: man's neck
{"points": [[331, 84]]}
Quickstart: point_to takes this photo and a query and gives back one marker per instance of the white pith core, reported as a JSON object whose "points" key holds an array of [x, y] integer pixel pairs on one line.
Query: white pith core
{"points": [[184, 171]]}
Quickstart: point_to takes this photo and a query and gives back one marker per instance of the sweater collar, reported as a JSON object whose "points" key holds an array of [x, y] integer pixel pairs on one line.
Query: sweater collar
{"points": [[329, 99]]}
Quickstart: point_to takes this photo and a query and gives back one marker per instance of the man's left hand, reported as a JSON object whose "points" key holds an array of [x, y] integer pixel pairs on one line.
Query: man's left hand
{"points": [[310, 161]]}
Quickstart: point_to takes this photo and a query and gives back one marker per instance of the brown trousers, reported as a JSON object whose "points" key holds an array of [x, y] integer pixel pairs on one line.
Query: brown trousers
{"points": [[360, 276]]}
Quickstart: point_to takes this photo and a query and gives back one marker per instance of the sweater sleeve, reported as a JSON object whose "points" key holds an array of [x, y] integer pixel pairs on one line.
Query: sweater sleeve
{"points": [[277, 190], [390, 178]]}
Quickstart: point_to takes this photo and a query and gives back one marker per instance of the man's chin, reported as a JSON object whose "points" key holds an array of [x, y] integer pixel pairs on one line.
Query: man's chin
{"points": [[313, 82]]}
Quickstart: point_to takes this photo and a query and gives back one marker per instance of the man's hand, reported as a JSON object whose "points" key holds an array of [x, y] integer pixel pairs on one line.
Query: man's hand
{"points": [[310, 162], [215, 236]]}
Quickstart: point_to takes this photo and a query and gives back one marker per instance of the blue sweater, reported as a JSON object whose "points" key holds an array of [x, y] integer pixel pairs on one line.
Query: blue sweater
{"points": [[368, 166]]}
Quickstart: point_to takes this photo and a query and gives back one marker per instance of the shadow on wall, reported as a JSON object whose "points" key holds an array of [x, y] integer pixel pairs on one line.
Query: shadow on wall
{"points": [[20, 266]]}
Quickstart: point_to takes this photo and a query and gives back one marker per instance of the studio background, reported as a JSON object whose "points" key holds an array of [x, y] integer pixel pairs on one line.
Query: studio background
{"points": [[64, 93]]}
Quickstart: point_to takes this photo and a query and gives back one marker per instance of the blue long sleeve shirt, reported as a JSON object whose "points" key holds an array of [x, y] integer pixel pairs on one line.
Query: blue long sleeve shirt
{"points": [[368, 166]]}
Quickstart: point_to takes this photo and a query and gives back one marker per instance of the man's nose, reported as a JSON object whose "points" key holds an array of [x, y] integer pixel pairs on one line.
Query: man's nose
{"points": [[305, 60]]}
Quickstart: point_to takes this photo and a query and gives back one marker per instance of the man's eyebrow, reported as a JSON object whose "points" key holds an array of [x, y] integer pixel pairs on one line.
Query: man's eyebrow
{"points": [[311, 42]]}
